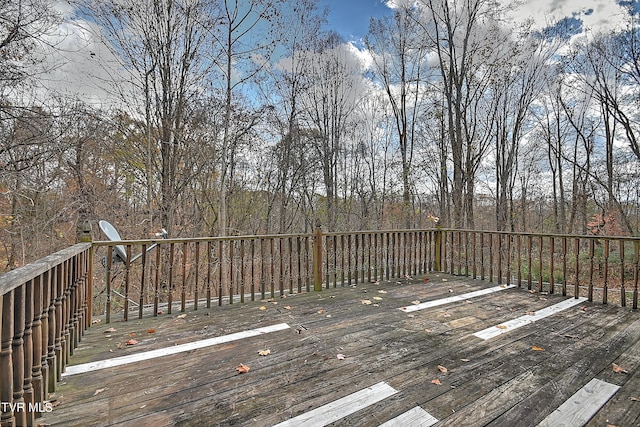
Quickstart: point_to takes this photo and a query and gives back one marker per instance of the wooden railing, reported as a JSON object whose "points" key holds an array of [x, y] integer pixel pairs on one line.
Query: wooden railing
{"points": [[44, 312], [46, 306], [599, 268], [189, 273]]}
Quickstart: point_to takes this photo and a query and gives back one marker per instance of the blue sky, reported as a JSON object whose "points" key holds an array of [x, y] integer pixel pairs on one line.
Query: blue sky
{"points": [[350, 18]]}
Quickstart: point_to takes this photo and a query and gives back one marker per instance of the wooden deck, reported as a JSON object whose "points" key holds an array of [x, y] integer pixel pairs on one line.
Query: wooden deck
{"points": [[352, 357]]}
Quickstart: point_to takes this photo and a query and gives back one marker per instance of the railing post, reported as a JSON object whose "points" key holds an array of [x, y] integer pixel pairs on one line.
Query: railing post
{"points": [[438, 253], [317, 258]]}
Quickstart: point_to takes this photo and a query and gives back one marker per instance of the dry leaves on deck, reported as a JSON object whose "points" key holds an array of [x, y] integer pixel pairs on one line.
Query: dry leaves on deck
{"points": [[619, 370], [442, 369], [242, 368], [131, 342], [98, 391], [536, 348], [182, 316], [436, 382], [110, 330], [264, 352], [366, 302]]}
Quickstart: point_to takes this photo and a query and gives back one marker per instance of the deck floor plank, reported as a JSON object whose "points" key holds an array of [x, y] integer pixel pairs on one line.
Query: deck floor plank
{"points": [[499, 381]]}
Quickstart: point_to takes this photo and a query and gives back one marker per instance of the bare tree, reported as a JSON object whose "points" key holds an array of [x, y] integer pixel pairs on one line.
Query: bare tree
{"points": [[329, 103], [399, 56]]}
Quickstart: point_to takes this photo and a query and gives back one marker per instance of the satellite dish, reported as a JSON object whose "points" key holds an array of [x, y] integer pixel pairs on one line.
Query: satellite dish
{"points": [[113, 235], [119, 250]]}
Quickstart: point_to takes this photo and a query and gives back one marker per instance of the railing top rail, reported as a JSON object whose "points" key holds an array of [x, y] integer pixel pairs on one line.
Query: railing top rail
{"points": [[573, 236], [339, 233], [19, 276], [197, 239]]}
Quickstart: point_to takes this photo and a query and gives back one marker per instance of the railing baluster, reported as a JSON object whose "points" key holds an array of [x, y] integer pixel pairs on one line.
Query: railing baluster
{"points": [[231, 286], [529, 262], [142, 280], [552, 250], [623, 294], [499, 256], [541, 243], [592, 244], [636, 272], [196, 284], [156, 287], [170, 285], [39, 391], [17, 353], [519, 262], [220, 272], [576, 290], [605, 289], [183, 283], [508, 254], [564, 266], [253, 266], [6, 350], [242, 270], [491, 258], [27, 360]]}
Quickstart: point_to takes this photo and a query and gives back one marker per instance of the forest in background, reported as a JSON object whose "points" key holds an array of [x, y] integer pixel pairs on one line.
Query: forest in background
{"points": [[242, 117]]}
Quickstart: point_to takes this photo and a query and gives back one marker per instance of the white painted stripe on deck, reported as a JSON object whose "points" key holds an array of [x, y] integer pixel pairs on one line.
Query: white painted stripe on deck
{"points": [[416, 417], [456, 298], [340, 408], [582, 406], [494, 331], [131, 358]]}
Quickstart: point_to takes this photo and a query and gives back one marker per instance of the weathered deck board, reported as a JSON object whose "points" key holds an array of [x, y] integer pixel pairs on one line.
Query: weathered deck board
{"points": [[498, 381]]}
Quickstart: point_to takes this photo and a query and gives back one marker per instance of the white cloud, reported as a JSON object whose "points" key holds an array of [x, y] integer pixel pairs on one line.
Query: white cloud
{"points": [[596, 15]]}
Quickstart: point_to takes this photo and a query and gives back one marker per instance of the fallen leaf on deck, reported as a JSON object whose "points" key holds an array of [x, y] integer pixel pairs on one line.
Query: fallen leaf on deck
{"points": [[263, 308], [100, 390], [536, 348], [428, 330], [160, 312], [132, 334], [182, 316], [416, 302], [436, 382], [242, 368], [377, 298], [119, 345], [320, 311], [618, 369], [287, 307], [442, 369], [530, 313], [366, 302], [425, 280], [634, 399], [466, 360], [444, 280], [94, 321], [131, 342], [382, 292], [501, 327], [110, 330], [264, 352], [447, 315], [151, 331], [341, 356]]}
